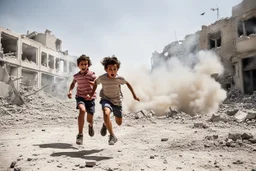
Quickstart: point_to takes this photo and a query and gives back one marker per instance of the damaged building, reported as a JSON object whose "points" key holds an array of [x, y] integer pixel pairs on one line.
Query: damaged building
{"points": [[180, 49], [34, 60], [233, 39]]}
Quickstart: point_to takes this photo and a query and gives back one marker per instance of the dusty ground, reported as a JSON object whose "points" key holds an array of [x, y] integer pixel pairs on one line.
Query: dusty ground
{"points": [[51, 146], [41, 136]]}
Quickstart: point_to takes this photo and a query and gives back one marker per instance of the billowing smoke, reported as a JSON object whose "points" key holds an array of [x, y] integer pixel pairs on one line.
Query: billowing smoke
{"points": [[182, 83]]}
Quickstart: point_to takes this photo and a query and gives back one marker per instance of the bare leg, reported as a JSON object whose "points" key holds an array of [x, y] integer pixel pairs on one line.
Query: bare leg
{"points": [[81, 118], [119, 121], [107, 121], [90, 119]]}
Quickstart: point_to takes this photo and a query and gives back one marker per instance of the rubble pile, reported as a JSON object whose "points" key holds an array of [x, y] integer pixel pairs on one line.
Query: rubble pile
{"points": [[234, 95], [37, 106], [232, 140]]}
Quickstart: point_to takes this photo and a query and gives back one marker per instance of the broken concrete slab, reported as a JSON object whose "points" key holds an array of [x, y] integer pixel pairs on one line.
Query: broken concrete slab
{"points": [[251, 114], [139, 115], [240, 116]]}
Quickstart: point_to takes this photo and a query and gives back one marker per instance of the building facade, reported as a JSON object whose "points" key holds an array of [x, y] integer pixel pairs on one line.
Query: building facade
{"points": [[34, 60]]}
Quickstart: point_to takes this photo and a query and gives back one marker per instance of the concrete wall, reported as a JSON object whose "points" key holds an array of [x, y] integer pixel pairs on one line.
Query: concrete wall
{"points": [[244, 6], [227, 30], [51, 42], [41, 38]]}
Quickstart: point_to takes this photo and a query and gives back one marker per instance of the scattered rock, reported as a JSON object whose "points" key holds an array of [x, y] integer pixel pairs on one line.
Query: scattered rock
{"points": [[200, 125], [207, 145], [215, 118], [172, 112], [238, 162], [164, 139], [90, 163], [152, 112], [17, 169], [59, 166], [29, 159], [152, 157], [165, 161], [251, 114], [43, 129], [213, 137], [233, 144], [178, 168], [13, 164], [246, 136], [253, 140], [232, 112], [239, 142], [228, 143], [234, 136]]}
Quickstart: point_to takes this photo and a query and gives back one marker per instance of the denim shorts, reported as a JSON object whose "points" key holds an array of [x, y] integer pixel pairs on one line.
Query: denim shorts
{"points": [[117, 110], [89, 104]]}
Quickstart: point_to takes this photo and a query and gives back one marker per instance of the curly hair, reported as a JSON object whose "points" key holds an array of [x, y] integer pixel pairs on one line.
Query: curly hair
{"points": [[110, 61], [84, 58]]}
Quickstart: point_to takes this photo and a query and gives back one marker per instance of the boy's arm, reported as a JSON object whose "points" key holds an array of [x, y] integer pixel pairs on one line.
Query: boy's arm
{"points": [[72, 85], [131, 89], [93, 90]]}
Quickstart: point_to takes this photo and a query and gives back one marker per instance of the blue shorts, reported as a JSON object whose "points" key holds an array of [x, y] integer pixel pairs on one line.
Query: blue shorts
{"points": [[89, 104], [117, 110]]}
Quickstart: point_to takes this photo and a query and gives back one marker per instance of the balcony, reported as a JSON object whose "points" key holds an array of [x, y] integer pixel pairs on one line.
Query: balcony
{"points": [[246, 43]]}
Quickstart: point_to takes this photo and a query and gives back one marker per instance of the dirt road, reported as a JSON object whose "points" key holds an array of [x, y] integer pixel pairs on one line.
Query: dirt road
{"points": [[164, 144]]}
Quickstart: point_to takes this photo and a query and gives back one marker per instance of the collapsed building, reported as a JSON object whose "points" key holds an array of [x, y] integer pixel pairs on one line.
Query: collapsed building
{"points": [[34, 60], [180, 49], [232, 39]]}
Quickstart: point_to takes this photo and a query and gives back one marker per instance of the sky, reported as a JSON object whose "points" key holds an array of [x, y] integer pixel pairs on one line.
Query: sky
{"points": [[130, 29]]}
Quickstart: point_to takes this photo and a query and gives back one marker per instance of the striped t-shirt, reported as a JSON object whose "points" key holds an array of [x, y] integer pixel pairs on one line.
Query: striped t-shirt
{"points": [[85, 83], [111, 89]]}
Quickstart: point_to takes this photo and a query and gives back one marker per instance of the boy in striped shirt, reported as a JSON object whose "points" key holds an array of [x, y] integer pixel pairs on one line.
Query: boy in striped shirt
{"points": [[85, 80]]}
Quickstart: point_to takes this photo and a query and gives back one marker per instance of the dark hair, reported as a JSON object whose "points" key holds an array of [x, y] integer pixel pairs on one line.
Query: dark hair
{"points": [[84, 58], [110, 61]]}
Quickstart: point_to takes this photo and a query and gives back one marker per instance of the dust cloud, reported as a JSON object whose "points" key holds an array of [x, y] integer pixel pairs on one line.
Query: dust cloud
{"points": [[183, 84]]}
